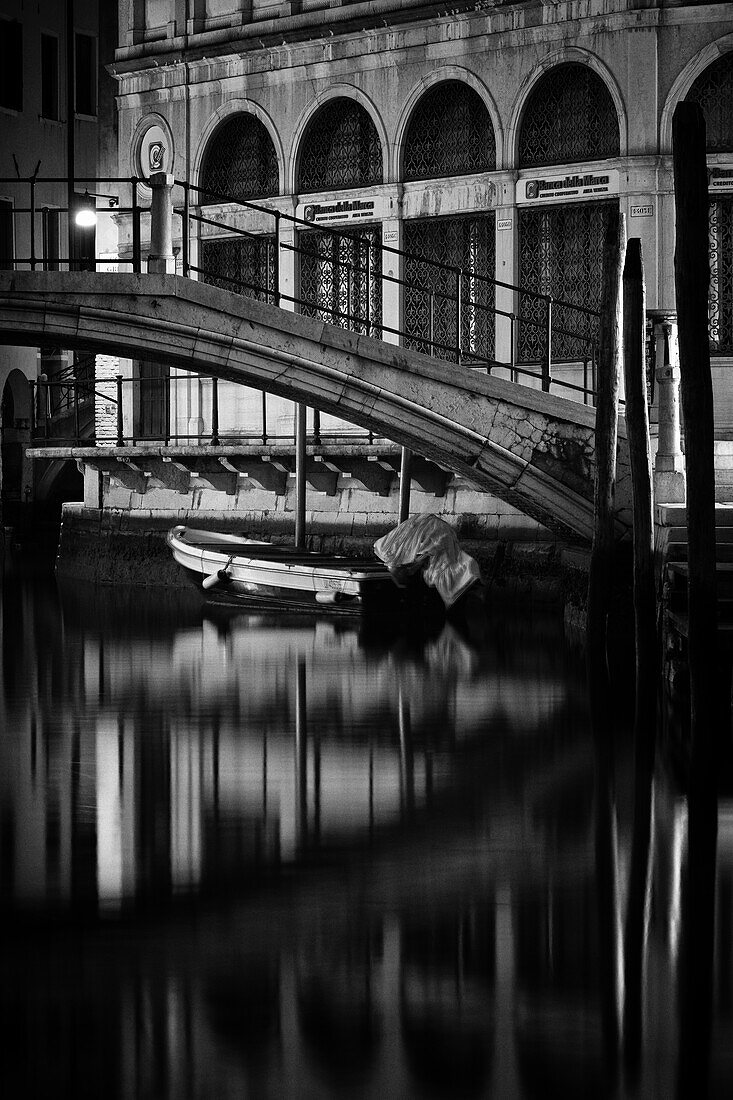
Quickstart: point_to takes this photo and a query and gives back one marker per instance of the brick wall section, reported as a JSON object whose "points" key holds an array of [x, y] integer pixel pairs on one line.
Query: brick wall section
{"points": [[107, 367]]}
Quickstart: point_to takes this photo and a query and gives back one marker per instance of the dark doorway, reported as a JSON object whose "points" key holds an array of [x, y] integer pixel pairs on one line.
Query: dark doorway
{"points": [[12, 452], [152, 400]]}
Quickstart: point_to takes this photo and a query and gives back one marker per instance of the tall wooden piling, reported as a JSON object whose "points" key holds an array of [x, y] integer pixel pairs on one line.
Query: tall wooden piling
{"points": [[646, 647], [637, 427], [601, 563], [692, 281], [599, 588]]}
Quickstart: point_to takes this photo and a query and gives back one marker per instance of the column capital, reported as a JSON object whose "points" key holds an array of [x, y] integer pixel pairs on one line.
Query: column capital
{"points": [[161, 179]]}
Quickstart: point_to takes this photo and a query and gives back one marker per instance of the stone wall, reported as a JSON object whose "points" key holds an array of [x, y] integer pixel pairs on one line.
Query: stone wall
{"points": [[127, 547]]}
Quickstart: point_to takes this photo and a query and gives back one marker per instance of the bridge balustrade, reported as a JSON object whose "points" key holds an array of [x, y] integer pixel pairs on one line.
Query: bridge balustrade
{"points": [[349, 278]]}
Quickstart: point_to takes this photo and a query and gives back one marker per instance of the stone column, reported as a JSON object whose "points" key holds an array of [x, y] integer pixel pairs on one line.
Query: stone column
{"points": [[669, 464], [392, 270], [507, 235], [161, 260], [288, 266]]}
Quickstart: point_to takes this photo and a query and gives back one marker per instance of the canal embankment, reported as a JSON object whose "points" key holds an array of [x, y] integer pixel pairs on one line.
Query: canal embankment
{"points": [[120, 547]]}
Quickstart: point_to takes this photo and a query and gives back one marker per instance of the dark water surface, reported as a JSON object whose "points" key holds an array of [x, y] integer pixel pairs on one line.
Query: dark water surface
{"points": [[244, 856]]}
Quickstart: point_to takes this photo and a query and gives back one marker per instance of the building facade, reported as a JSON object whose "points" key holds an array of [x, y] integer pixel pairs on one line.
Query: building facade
{"points": [[56, 124], [439, 178], [493, 137]]}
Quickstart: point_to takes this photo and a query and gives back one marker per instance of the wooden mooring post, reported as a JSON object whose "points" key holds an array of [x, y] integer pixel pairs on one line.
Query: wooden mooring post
{"points": [[599, 589], [692, 281], [601, 561], [646, 651]]}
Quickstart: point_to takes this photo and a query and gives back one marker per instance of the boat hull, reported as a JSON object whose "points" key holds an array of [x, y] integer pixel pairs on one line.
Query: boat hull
{"points": [[232, 570]]}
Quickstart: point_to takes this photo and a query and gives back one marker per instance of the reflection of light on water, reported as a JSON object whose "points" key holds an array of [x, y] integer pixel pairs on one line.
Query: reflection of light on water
{"points": [[186, 771], [679, 844], [109, 815]]}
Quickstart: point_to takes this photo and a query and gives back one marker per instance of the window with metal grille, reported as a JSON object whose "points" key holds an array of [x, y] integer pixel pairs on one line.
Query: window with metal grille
{"points": [[244, 265], [240, 161], [720, 307], [433, 301], [569, 117], [340, 149], [450, 134], [340, 278], [713, 90], [561, 255]]}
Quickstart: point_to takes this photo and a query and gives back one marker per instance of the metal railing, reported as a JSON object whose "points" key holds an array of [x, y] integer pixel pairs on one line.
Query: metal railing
{"points": [[460, 304], [142, 411]]}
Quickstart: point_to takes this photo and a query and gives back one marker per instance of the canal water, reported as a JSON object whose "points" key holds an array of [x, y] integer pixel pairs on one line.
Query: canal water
{"points": [[257, 856]]}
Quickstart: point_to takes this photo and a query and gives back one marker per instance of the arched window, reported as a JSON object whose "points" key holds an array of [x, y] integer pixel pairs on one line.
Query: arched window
{"points": [[340, 149], [713, 90], [569, 117], [240, 161], [450, 134]]}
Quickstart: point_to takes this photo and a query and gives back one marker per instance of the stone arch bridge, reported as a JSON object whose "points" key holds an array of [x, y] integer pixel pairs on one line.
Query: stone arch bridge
{"points": [[534, 450]]}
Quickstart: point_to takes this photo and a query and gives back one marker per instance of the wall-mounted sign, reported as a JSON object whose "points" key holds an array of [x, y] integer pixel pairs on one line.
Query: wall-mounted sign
{"points": [[342, 210], [568, 187], [155, 152], [720, 179], [504, 223], [646, 211]]}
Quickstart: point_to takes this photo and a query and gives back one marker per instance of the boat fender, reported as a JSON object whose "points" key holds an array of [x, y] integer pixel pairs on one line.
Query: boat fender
{"points": [[220, 577], [329, 597]]}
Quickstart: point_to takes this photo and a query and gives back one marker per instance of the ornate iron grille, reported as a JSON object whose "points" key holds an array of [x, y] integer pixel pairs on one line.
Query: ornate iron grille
{"points": [[341, 148], [570, 117], [240, 161], [450, 134], [244, 265], [561, 254], [431, 293], [713, 90], [721, 276], [340, 278]]}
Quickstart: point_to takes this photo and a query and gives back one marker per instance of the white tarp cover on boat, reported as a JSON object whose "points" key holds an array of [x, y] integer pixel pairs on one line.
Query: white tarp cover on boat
{"points": [[427, 543]]}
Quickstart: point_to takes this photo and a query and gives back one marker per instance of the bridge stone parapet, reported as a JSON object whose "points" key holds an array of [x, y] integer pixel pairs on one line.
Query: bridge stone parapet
{"points": [[534, 450]]}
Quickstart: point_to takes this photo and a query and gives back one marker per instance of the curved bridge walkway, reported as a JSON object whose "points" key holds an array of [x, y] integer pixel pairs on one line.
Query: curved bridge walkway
{"points": [[531, 449]]}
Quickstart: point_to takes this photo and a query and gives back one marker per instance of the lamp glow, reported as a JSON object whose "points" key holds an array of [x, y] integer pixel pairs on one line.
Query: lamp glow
{"points": [[86, 216]]}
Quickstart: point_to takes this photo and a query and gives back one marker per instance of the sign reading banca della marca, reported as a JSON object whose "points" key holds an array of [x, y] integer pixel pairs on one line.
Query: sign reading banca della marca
{"points": [[720, 178], [342, 210], [568, 187]]}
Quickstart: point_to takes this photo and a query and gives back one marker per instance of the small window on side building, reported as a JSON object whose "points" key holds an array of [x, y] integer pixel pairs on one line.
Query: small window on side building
{"points": [[49, 76], [51, 239], [11, 65], [85, 75], [7, 243]]}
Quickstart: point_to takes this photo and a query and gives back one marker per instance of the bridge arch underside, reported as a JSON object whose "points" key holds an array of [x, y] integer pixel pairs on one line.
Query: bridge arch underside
{"points": [[533, 450]]}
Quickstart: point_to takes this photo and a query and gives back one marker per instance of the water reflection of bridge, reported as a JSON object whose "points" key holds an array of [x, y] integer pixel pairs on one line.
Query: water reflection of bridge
{"points": [[247, 744], [461, 948]]}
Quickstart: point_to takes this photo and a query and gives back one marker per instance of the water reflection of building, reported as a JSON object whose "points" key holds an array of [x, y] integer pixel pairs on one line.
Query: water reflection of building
{"points": [[154, 753]]}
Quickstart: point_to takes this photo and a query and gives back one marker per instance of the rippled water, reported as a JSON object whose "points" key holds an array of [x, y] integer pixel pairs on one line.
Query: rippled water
{"points": [[256, 856]]}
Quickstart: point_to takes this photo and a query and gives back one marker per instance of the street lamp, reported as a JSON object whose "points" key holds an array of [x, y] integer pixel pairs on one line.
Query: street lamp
{"points": [[86, 208]]}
